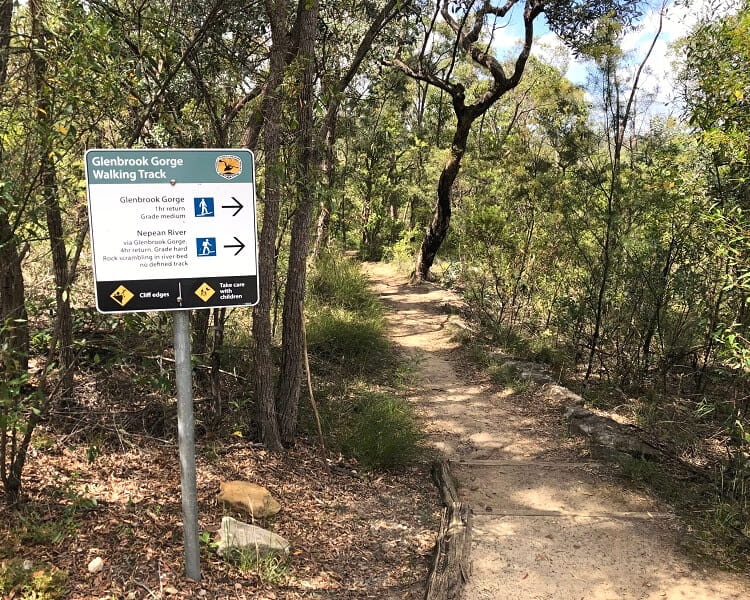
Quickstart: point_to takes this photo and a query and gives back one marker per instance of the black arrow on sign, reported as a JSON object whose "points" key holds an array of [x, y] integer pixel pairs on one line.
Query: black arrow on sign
{"points": [[239, 245], [238, 206]]}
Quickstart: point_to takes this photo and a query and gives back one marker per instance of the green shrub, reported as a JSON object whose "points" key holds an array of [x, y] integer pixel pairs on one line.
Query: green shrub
{"points": [[544, 351], [338, 282], [382, 432], [31, 581], [504, 374], [347, 339], [270, 569]]}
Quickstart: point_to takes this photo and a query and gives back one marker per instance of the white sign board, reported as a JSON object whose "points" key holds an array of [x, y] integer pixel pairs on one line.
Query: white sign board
{"points": [[172, 229]]}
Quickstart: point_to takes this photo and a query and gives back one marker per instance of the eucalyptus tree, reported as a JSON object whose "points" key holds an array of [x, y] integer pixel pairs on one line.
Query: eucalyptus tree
{"points": [[473, 26], [717, 96], [14, 329], [510, 250], [348, 34], [313, 149], [618, 106]]}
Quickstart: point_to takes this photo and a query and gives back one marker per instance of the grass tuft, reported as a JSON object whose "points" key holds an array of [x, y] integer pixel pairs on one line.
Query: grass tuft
{"points": [[384, 433], [339, 282], [349, 340]]}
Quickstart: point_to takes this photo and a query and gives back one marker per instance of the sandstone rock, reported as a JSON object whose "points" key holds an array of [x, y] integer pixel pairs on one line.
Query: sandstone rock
{"points": [[608, 433], [559, 393], [236, 535], [527, 371], [253, 498]]}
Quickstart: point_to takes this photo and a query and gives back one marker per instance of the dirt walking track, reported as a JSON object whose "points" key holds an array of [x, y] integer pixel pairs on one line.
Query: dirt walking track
{"points": [[548, 524]]}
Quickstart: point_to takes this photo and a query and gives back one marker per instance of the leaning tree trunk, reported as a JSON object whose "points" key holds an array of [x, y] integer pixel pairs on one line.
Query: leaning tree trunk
{"points": [[292, 331], [441, 216], [390, 10]]}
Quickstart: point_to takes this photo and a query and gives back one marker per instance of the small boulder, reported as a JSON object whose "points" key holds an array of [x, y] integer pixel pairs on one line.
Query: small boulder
{"points": [[608, 433], [251, 497], [561, 394], [236, 535], [96, 565], [526, 371]]}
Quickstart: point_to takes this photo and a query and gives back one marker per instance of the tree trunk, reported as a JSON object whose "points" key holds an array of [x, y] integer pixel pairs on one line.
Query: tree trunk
{"points": [[200, 320], [14, 328], [328, 133], [329, 171], [53, 212], [265, 410], [660, 297], [441, 216], [291, 332]]}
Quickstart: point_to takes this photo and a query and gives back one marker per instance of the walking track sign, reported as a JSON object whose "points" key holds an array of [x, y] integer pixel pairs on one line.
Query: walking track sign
{"points": [[172, 229]]}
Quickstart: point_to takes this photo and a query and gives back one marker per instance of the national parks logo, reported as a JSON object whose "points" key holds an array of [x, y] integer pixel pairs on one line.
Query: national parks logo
{"points": [[229, 166]]}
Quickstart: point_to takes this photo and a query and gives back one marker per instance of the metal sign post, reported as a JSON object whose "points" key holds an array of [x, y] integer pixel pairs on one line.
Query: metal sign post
{"points": [[174, 230], [186, 443]]}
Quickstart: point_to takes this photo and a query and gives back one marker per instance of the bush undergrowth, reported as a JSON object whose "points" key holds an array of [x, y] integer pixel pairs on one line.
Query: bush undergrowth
{"points": [[379, 429], [353, 362], [31, 581]]}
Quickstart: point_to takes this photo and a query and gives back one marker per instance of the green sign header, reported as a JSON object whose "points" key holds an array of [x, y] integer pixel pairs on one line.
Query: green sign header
{"points": [[169, 166]]}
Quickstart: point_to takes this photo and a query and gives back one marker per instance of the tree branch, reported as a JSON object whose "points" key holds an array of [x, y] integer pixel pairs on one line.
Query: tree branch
{"points": [[173, 72]]}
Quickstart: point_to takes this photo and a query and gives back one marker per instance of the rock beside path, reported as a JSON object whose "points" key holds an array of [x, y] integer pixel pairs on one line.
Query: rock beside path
{"points": [[608, 433], [250, 497], [236, 535], [558, 393]]}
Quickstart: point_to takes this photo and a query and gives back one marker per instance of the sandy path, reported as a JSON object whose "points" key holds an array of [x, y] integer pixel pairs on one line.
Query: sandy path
{"points": [[547, 524]]}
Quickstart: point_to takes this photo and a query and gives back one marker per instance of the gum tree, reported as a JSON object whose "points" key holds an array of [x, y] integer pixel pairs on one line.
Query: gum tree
{"points": [[471, 27]]}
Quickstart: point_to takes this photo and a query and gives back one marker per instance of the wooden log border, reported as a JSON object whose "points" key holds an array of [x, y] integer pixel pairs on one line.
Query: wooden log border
{"points": [[451, 566]]}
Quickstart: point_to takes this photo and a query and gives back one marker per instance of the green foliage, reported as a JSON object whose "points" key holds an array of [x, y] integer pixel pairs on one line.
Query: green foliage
{"points": [[338, 282], [379, 429], [346, 329], [21, 407], [349, 340], [34, 529], [30, 581], [269, 568], [642, 471], [347, 343], [504, 373]]}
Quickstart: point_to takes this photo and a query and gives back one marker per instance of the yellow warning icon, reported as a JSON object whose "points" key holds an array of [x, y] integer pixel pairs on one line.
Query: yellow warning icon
{"points": [[229, 166], [204, 292], [122, 295]]}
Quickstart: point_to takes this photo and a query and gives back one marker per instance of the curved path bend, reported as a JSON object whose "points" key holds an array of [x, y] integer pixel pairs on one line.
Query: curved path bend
{"points": [[548, 525]]}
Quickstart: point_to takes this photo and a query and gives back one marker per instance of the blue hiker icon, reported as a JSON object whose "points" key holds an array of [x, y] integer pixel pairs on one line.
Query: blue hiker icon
{"points": [[204, 207], [206, 246]]}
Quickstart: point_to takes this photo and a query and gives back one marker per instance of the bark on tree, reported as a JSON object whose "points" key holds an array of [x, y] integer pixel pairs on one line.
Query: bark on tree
{"points": [[53, 212], [291, 332], [265, 409], [441, 216], [14, 330]]}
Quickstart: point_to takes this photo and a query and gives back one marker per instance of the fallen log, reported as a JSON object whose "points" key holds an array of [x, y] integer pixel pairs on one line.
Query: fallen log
{"points": [[451, 566]]}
